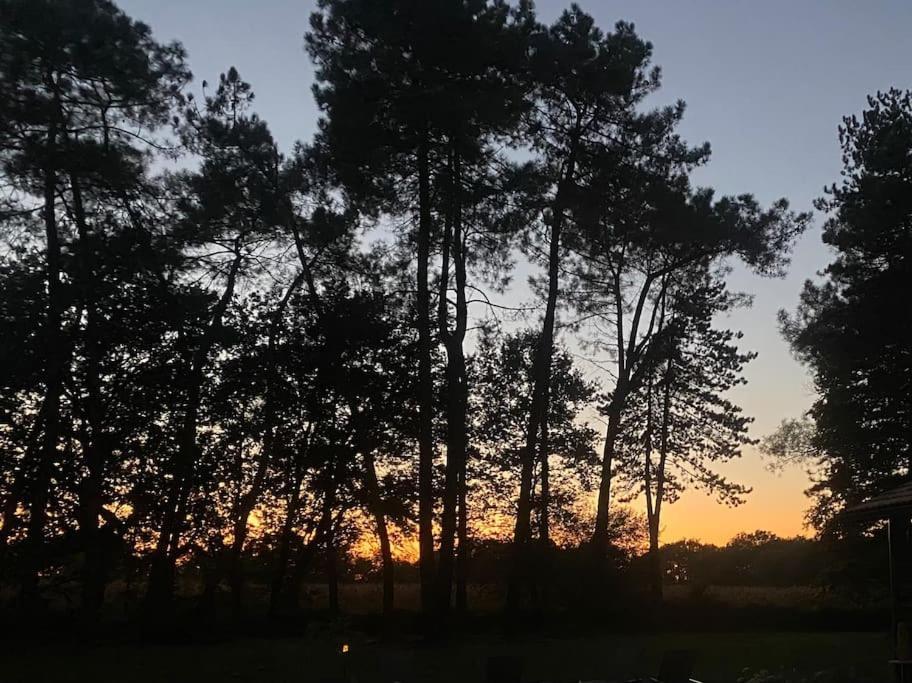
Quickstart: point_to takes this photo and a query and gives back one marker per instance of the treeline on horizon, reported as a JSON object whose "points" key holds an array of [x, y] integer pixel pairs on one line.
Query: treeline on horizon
{"points": [[217, 353], [851, 572]]}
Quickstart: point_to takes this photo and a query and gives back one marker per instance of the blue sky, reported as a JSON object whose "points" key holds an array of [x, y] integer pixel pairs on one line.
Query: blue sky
{"points": [[766, 83]]}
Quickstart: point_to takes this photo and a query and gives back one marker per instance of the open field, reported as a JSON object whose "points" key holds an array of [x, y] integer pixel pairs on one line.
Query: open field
{"points": [[367, 598], [798, 634], [721, 658]]}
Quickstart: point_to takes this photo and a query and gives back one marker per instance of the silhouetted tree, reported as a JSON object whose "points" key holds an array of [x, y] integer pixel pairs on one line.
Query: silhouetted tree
{"points": [[482, 206], [503, 378], [587, 84], [377, 88], [227, 363], [229, 211], [83, 87], [846, 329], [644, 224], [679, 421], [403, 98]]}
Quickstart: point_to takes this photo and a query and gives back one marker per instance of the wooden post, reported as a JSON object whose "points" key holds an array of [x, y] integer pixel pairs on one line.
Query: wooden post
{"points": [[893, 548], [900, 590]]}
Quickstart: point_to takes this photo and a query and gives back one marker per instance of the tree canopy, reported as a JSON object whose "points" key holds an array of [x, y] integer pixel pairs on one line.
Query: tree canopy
{"points": [[228, 363]]}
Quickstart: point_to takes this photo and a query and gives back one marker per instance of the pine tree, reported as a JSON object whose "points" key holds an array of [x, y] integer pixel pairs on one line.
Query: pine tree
{"points": [[847, 329], [679, 422], [411, 118], [83, 88], [588, 85], [228, 212]]}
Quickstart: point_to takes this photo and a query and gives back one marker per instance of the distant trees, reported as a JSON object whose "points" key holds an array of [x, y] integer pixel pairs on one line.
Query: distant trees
{"points": [[758, 558], [221, 354], [847, 330]]}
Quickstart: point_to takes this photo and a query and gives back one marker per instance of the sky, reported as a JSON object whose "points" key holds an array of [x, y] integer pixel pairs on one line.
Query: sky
{"points": [[766, 83]]}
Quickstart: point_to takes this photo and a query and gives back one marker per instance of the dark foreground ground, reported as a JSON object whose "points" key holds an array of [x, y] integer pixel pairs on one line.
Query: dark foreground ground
{"points": [[730, 657]]}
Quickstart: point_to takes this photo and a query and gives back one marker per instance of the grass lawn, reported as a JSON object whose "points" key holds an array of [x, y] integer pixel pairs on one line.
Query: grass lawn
{"points": [[721, 658]]}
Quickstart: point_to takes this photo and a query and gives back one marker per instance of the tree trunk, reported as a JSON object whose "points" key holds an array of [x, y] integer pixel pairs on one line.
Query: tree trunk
{"points": [[283, 554], [40, 486], [250, 498], [332, 573], [161, 577], [463, 549], [97, 446], [325, 528], [17, 490], [235, 552], [16, 495], [543, 577], [386, 554], [615, 410], [654, 549], [10, 507], [651, 519], [425, 385], [541, 380], [544, 523], [96, 570], [629, 370], [456, 449], [212, 575], [457, 389]]}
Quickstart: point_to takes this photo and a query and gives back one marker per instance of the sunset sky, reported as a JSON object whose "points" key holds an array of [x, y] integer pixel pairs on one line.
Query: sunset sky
{"points": [[766, 83]]}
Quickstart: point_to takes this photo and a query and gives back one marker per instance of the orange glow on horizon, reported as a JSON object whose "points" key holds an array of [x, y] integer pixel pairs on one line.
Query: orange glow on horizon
{"points": [[776, 504]]}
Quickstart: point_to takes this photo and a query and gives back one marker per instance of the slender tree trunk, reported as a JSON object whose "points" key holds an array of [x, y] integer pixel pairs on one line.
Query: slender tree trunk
{"points": [[96, 570], [240, 530], [212, 575], [386, 554], [457, 388], [53, 340], [10, 507], [283, 554], [544, 518], [16, 493], [91, 501], [161, 577], [654, 502], [655, 561], [615, 410], [251, 497], [651, 519], [278, 586], [629, 369], [464, 549], [544, 523], [541, 380], [456, 446], [33, 441], [541, 371], [97, 446], [332, 572], [654, 548], [325, 527], [425, 385], [304, 561]]}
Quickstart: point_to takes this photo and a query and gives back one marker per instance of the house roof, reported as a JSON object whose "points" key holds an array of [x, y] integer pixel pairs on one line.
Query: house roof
{"points": [[882, 506]]}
